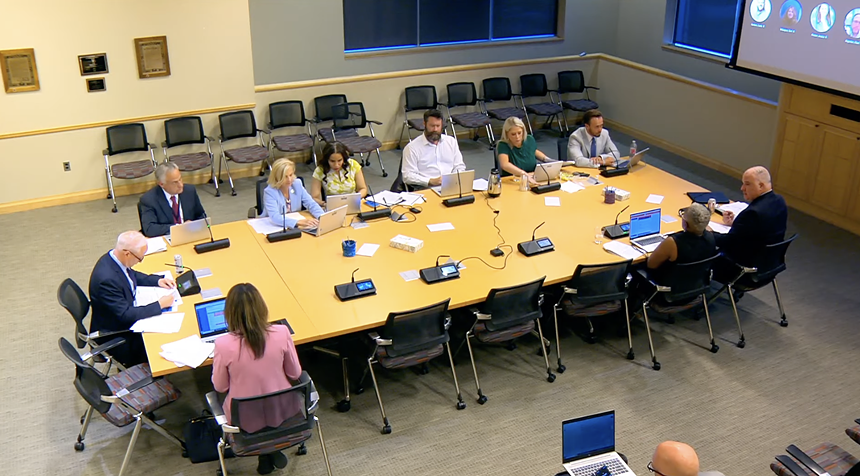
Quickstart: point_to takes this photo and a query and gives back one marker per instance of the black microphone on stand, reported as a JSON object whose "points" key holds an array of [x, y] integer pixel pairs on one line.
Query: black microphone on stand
{"points": [[212, 245], [617, 231], [284, 234], [435, 274], [186, 282], [352, 290], [384, 213], [461, 200], [614, 172], [536, 246], [548, 187]]}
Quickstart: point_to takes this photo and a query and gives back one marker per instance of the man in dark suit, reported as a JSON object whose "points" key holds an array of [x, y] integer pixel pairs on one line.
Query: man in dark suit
{"points": [[113, 285], [170, 203]]}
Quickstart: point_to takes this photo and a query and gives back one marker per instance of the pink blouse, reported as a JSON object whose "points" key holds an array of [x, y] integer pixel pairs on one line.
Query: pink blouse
{"points": [[236, 372]]}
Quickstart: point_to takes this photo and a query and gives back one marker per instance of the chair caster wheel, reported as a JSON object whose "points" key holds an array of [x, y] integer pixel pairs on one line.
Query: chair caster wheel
{"points": [[82, 420], [303, 450], [262, 173], [232, 194], [343, 406], [217, 194], [218, 472], [656, 366], [114, 210], [79, 446], [550, 378], [424, 370], [461, 405], [783, 323], [511, 346], [714, 348], [386, 430], [385, 174], [591, 339], [482, 399], [630, 355], [742, 343], [359, 390], [560, 369], [184, 453], [540, 351]]}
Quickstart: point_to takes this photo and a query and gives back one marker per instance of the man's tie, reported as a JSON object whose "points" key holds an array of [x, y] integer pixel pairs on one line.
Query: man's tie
{"points": [[593, 147], [177, 218], [133, 280]]}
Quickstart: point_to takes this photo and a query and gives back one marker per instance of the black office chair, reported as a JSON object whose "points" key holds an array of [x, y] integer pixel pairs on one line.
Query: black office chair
{"points": [[291, 114], [507, 314], [72, 298], [418, 98], [188, 131], [259, 187], [534, 86], [123, 139], [237, 125], [412, 338], [349, 117], [768, 264], [685, 288], [399, 185], [594, 290], [289, 415], [499, 89], [128, 396], [573, 82], [323, 109], [464, 95]]}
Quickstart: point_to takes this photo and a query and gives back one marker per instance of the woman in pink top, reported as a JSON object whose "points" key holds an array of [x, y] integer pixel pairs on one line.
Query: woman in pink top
{"points": [[255, 359]]}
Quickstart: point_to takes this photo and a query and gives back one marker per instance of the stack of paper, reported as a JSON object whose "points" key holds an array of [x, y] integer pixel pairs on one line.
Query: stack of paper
{"points": [[622, 250], [734, 207], [719, 227], [571, 187], [155, 245], [410, 199], [480, 185], [145, 295], [387, 198], [188, 352], [264, 225], [167, 323]]}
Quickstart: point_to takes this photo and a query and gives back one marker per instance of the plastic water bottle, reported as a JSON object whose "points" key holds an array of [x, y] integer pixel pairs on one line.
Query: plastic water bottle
{"points": [[177, 262], [632, 149]]}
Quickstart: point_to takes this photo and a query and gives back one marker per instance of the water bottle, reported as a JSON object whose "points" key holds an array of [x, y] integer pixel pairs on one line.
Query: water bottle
{"points": [[177, 261], [632, 149]]}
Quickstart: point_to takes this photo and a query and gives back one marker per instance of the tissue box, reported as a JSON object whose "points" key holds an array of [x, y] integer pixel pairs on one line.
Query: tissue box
{"points": [[406, 243], [620, 195]]}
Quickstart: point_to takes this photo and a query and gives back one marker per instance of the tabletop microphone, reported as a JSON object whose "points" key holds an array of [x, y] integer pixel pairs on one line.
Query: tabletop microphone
{"points": [[617, 231], [352, 290], [444, 272], [213, 244], [614, 172], [186, 283], [461, 200], [376, 213], [536, 246], [547, 187], [284, 234]]}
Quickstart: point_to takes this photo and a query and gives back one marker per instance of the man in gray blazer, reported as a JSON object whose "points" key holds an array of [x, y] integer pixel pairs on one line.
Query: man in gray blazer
{"points": [[590, 145]]}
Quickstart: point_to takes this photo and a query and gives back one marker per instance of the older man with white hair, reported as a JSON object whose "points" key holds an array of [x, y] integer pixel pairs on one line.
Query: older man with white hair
{"points": [[113, 285]]}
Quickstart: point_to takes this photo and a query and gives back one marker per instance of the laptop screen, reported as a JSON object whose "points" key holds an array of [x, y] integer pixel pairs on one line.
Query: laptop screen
{"points": [[210, 317], [644, 223], [588, 436]]}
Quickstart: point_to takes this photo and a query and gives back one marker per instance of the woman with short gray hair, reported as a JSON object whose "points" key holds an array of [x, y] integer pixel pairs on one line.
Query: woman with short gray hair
{"points": [[694, 243]]}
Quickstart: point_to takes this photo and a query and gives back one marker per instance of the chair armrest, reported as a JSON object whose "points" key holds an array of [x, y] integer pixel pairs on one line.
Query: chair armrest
{"points": [[592, 87], [374, 122], [568, 290], [151, 145], [480, 315], [643, 273], [103, 348], [127, 390], [799, 455], [265, 131], [540, 299], [379, 340], [100, 334], [516, 95], [857, 421], [209, 138], [164, 144], [252, 212], [485, 100], [105, 151], [791, 465], [216, 408]]}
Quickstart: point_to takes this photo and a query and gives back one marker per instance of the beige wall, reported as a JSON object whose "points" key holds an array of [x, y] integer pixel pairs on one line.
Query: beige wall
{"points": [[209, 69]]}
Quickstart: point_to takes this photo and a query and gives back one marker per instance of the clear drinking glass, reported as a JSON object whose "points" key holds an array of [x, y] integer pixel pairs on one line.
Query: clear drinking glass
{"points": [[598, 235]]}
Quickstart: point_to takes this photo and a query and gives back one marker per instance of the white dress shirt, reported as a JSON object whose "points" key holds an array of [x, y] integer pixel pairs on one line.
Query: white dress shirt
{"points": [[170, 204], [579, 147], [423, 160]]}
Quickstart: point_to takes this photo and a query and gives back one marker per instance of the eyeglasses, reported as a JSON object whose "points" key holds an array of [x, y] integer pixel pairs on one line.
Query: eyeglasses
{"points": [[139, 259], [651, 468]]}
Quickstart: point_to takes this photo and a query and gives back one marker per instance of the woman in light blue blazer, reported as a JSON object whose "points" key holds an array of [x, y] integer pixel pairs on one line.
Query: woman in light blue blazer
{"points": [[285, 195]]}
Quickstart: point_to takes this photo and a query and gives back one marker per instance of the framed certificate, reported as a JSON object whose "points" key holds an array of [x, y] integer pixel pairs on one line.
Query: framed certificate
{"points": [[152, 58], [19, 70], [95, 85], [93, 64]]}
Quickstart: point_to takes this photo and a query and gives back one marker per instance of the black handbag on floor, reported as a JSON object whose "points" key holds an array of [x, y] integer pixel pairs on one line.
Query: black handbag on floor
{"points": [[201, 439]]}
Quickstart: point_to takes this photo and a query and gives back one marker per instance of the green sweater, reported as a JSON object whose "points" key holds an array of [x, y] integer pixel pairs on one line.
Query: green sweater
{"points": [[523, 156]]}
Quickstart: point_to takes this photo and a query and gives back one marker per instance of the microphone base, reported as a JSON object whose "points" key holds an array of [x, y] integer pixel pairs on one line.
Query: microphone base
{"points": [[284, 235], [212, 246], [547, 187], [614, 172], [187, 284], [384, 213], [454, 202], [613, 232], [536, 247], [435, 274], [348, 291]]}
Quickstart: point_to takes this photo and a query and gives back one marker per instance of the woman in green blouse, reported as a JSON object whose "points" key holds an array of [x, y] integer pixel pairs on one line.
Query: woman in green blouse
{"points": [[518, 154], [337, 173]]}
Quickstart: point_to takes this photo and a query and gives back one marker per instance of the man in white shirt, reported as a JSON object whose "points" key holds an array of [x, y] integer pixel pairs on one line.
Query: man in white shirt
{"points": [[169, 203], [590, 145], [431, 155]]}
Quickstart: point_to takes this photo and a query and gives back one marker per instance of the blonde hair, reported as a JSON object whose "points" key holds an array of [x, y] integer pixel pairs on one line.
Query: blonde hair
{"points": [[510, 123], [280, 169]]}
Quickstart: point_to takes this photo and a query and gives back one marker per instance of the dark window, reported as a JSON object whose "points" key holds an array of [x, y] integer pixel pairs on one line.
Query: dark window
{"points": [[706, 25], [389, 24]]}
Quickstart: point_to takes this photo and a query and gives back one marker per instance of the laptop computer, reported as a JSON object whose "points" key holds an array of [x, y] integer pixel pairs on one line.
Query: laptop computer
{"points": [[453, 186], [547, 168], [351, 200], [210, 319], [645, 230], [588, 444], [329, 221], [190, 231], [632, 160]]}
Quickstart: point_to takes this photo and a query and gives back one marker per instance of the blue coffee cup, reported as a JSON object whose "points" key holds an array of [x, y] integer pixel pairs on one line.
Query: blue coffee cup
{"points": [[348, 248]]}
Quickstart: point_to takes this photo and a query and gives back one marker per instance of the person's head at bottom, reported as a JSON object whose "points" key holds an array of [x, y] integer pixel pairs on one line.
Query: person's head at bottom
{"points": [[696, 219], [673, 458], [247, 316]]}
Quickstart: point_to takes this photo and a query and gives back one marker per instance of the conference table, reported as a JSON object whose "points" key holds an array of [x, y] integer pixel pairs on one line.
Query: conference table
{"points": [[297, 277]]}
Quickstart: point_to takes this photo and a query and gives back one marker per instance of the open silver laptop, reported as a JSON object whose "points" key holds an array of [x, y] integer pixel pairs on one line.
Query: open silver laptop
{"points": [[453, 186], [210, 319], [633, 160], [329, 221], [351, 200], [188, 232], [588, 445], [544, 169], [645, 230]]}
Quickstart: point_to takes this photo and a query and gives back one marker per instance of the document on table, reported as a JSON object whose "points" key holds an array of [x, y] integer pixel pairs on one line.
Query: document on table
{"points": [[167, 323], [155, 245], [188, 352], [623, 250], [145, 295], [571, 187], [655, 199], [411, 199], [719, 227], [410, 275], [734, 207], [202, 273], [668, 219], [440, 227], [552, 201], [387, 198], [357, 225], [480, 185], [367, 249], [211, 293], [264, 226]]}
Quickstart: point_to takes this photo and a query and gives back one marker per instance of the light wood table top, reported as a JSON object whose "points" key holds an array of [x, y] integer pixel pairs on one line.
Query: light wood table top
{"points": [[244, 261]]}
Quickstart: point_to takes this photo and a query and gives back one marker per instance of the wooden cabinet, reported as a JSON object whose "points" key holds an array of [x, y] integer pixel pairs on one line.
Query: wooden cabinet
{"points": [[836, 165]]}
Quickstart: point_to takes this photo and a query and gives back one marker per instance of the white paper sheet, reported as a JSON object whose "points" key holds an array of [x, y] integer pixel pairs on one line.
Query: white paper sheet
{"points": [[411, 199], [264, 226], [655, 199], [357, 224], [167, 323], [480, 185], [734, 207], [719, 227], [621, 249], [668, 219], [189, 352], [552, 201], [440, 227], [155, 245], [367, 249], [146, 295], [410, 275], [386, 197], [571, 187]]}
